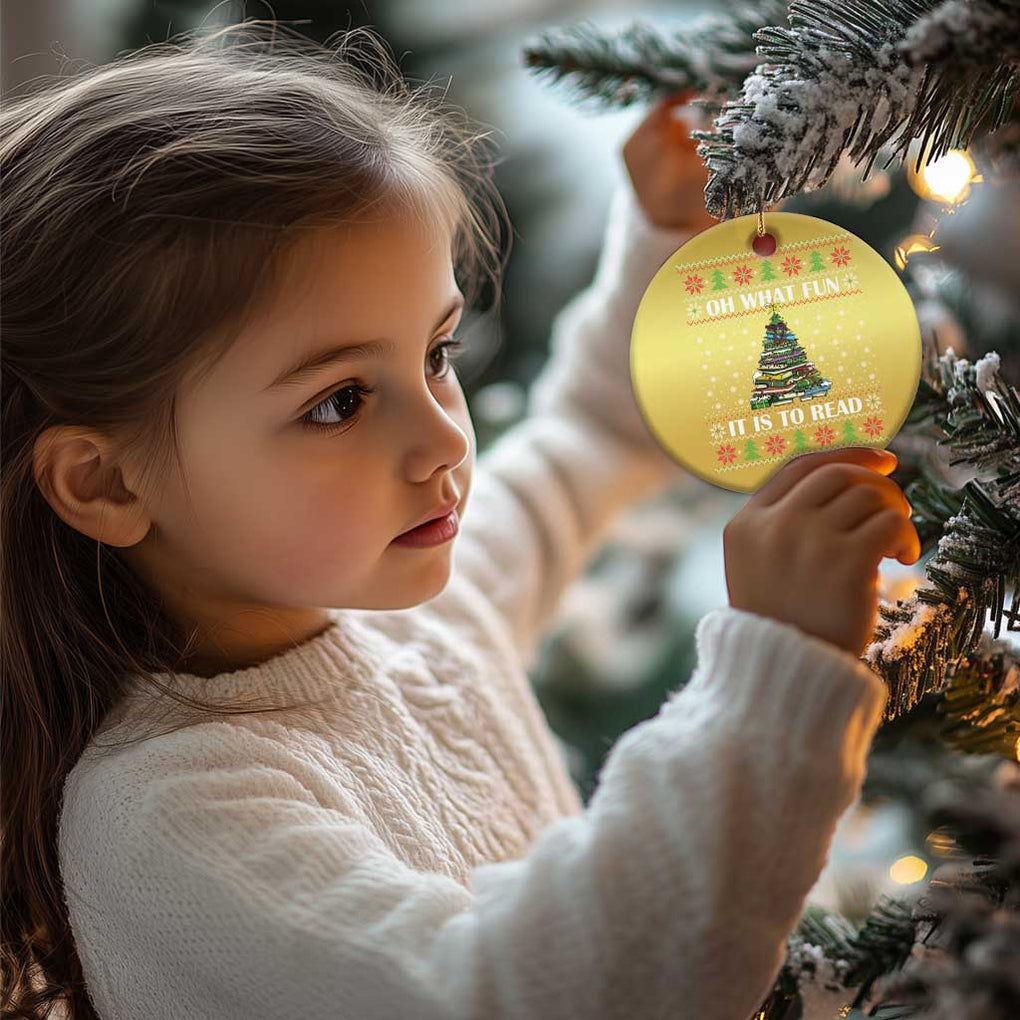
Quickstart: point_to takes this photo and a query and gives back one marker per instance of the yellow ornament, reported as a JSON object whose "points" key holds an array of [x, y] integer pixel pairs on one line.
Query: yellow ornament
{"points": [[742, 361]]}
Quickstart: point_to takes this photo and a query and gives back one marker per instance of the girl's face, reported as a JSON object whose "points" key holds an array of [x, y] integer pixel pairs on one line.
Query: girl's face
{"points": [[300, 483]]}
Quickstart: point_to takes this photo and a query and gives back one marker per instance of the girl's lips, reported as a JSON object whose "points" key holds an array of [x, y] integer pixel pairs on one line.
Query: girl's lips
{"points": [[433, 533]]}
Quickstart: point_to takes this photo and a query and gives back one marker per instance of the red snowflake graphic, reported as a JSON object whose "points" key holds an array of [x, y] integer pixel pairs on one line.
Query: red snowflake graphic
{"points": [[824, 436], [727, 454], [743, 274], [840, 256], [775, 444], [873, 425], [792, 265], [694, 283]]}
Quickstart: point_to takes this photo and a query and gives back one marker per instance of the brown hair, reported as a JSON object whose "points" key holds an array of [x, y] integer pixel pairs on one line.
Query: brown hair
{"points": [[147, 204]]}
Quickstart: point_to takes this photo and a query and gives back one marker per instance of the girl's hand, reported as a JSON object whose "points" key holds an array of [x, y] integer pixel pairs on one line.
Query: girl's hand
{"points": [[805, 548], [668, 176]]}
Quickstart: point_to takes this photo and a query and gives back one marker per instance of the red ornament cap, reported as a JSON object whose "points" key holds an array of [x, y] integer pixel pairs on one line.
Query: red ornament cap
{"points": [[764, 244]]}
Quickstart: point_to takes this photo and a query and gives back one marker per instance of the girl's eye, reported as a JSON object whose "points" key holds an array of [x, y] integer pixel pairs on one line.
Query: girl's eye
{"points": [[447, 349], [346, 402]]}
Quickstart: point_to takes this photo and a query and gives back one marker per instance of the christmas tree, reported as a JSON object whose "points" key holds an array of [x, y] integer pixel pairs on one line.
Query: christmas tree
{"points": [[718, 282], [793, 91], [815, 264], [766, 270], [784, 372]]}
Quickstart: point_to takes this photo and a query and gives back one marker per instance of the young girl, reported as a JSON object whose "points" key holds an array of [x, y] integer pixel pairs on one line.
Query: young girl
{"points": [[230, 286]]}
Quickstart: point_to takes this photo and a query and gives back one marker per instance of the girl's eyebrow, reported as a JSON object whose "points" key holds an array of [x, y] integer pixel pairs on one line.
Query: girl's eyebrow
{"points": [[296, 374]]}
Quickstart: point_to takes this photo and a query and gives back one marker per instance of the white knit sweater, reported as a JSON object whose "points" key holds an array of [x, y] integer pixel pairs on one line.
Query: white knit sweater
{"points": [[415, 847]]}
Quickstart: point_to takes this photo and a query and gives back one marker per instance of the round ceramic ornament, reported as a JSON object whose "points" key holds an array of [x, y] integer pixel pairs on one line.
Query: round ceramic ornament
{"points": [[766, 337]]}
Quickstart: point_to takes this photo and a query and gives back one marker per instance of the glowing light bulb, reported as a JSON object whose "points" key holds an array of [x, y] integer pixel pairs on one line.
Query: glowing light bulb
{"points": [[908, 870], [946, 179]]}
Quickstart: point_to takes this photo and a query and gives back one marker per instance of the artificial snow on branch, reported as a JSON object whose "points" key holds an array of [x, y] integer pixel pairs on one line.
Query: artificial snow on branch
{"points": [[919, 641], [638, 64], [976, 33], [849, 76]]}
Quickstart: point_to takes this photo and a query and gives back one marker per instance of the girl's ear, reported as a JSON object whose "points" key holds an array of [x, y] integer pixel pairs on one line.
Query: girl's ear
{"points": [[78, 475]]}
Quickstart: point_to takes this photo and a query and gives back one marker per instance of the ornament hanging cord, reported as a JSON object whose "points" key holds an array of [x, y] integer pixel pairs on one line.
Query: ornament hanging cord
{"points": [[763, 243]]}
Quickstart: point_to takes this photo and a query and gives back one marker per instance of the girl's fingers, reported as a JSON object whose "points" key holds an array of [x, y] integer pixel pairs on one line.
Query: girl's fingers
{"points": [[825, 488], [855, 504], [888, 534], [793, 471]]}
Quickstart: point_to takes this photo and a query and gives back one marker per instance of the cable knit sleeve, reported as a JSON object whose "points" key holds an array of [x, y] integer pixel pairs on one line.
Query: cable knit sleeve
{"points": [[221, 887], [546, 491]]}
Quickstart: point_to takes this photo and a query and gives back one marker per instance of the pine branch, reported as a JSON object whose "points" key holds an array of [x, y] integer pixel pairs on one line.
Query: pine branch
{"points": [[980, 708], [977, 713], [828, 957], [970, 920], [858, 76], [974, 34], [968, 915], [919, 641], [711, 56]]}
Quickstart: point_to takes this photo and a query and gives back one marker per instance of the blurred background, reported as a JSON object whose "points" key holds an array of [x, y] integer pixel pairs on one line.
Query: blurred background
{"points": [[625, 632]]}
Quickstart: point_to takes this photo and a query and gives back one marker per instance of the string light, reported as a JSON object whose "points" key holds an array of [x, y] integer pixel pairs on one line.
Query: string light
{"points": [[911, 246], [946, 181], [908, 870]]}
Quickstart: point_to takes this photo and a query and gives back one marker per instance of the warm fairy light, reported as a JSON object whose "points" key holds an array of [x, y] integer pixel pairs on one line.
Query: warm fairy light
{"points": [[946, 179], [1016, 749], [894, 587], [911, 246], [908, 870]]}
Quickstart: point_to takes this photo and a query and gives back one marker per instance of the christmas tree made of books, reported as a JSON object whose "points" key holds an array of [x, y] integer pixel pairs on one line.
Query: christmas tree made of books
{"points": [[784, 371]]}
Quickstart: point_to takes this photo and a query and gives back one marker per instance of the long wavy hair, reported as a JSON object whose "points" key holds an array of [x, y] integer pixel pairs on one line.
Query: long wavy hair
{"points": [[146, 205]]}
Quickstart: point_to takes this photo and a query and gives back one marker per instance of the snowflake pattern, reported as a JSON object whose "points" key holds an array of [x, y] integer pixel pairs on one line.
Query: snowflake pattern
{"points": [[727, 454], [840, 256], [694, 284], [873, 426], [824, 436], [792, 265], [743, 274], [851, 280], [775, 444], [873, 402], [693, 310], [717, 431]]}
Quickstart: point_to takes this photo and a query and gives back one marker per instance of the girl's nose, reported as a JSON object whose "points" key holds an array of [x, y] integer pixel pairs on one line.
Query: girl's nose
{"points": [[434, 440]]}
